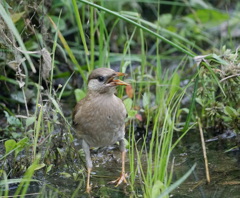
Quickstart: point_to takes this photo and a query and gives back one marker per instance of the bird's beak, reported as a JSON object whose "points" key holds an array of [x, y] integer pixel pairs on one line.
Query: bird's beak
{"points": [[119, 82], [114, 82], [120, 74]]}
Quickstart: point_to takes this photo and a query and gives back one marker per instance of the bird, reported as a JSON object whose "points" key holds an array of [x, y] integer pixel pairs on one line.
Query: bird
{"points": [[99, 118]]}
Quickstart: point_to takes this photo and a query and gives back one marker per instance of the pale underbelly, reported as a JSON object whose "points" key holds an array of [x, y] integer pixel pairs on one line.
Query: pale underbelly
{"points": [[102, 139]]}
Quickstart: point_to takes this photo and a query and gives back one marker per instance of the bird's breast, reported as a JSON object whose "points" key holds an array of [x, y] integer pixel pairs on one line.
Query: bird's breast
{"points": [[101, 123]]}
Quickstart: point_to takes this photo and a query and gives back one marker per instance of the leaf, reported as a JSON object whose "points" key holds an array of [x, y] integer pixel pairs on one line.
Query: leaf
{"points": [[18, 96], [132, 113], [12, 120], [209, 17], [61, 22], [21, 145], [79, 94], [10, 145], [146, 99], [139, 117], [128, 104], [129, 91], [75, 176], [16, 135], [230, 111], [165, 19], [127, 144], [219, 60], [199, 101], [49, 168], [61, 152], [66, 175], [157, 188], [39, 166], [175, 84], [30, 121], [17, 16]]}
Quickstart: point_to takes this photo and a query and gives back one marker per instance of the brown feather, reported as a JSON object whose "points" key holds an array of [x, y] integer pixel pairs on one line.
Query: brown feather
{"points": [[99, 117]]}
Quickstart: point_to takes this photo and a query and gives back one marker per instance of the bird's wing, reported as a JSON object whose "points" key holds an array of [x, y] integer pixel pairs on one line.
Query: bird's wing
{"points": [[77, 108], [124, 111]]}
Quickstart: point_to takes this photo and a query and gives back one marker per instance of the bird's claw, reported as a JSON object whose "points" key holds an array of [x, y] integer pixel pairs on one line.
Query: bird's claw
{"points": [[119, 180]]}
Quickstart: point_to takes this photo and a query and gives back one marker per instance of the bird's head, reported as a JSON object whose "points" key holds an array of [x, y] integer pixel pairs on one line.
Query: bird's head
{"points": [[102, 80]]}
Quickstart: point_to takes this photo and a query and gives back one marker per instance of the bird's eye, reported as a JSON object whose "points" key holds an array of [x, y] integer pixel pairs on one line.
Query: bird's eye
{"points": [[100, 78]]}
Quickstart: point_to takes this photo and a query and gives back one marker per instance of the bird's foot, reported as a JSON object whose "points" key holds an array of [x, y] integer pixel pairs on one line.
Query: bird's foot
{"points": [[119, 180]]}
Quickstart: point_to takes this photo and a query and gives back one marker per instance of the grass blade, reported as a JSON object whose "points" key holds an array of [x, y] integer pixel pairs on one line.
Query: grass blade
{"points": [[139, 26], [13, 28], [177, 183]]}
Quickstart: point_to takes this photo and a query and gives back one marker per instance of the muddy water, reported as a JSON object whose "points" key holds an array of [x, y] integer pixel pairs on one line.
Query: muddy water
{"points": [[224, 169], [224, 172], [106, 168]]}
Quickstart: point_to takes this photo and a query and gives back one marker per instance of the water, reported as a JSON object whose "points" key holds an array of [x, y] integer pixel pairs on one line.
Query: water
{"points": [[224, 169], [224, 172]]}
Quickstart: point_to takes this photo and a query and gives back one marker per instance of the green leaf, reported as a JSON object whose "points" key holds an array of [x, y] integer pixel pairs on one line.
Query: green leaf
{"points": [[61, 23], [79, 94], [10, 145], [146, 99], [165, 19], [30, 121], [157, 188], [230, 111], [128, 104], [16, 135], [209, 17], [219, 60], [132, 113], [12, 120], [199, 101], [175, 84], [39, 166], [49, 168], [17, 16], [66, 175], [127, 144], [21, 145], [61, 152]]}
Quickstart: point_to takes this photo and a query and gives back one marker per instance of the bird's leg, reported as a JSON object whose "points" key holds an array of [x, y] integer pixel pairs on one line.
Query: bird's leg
{"points": [[123, 175], [88, 187], [86, 150]]}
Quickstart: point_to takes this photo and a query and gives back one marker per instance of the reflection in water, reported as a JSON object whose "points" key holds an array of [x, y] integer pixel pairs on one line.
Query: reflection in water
{"points": [[224, 169]]}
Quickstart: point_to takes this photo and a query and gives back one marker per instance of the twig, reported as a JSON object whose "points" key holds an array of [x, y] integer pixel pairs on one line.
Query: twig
{"points": [[235, 75], [204, 151]]}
